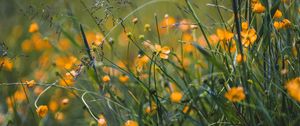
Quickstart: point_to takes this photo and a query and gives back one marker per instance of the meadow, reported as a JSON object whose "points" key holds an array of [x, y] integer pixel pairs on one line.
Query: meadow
{"points": [[149, 62]]}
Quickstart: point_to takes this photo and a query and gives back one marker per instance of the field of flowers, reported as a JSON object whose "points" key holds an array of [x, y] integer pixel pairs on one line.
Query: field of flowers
{"points": [[149, 62]]}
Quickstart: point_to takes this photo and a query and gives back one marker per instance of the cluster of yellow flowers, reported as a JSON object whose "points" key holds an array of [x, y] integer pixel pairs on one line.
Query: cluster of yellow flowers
{"points": [[280, 23], [248, 35]]}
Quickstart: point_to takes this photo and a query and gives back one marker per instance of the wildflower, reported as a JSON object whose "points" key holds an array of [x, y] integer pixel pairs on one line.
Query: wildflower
{"points": [[293, 88], [162, 51], [42, 111], [240, 58], [278, 14], [7, 64], [65, 101], [235, 94], [245, 26], [185, 109], [248, 37], [123, 79], [106, 79], [67, 80], [258, 8], [102, 121], [131, 123], [151, 109], [129, 35], [20, 95], [147, 27], [286, 23], [34, 27], [53, 105], [141, 61], [59, 116], [184, 25], [135, 20], [224, 35], [166, 23], [26, 45], [176, 97], [277, 25], [30, 83]]}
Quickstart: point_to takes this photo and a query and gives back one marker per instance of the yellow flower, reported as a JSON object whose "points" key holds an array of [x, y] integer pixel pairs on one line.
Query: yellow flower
{"points": [[224, 35], [147, 27], [245, 26], [140, 62], [102, 121], [162, 51], [185, 109], [34, 27], [53, 105], [278, 14], [123, 79], [240, 58], [6, 63], [59, 116], [235, 94], [248, 37], [67, 80], [131, 123], [30, 83], [20, 95], [106, 79], [258, 8], [293, 88], [42, 111], [277, 25], [286, 23], [176, 97], [151, 109]]}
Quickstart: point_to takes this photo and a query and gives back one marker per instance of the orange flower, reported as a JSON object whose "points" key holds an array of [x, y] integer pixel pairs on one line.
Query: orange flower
{"points": [[34, 27], [248, 37], [286, 23], [30, 83], [151, 109], [123, 79], [277, 25], [185, 109], [7, 64], [224, 35], [20, 95], [184, 25], [106, 79], [258, 8], [162, 51], [26, 45], [176, 97], [293, 88], [42, 111], [166, 23], [59, 116], [141, 62], [240, 58], [102, 121], [235, 94], [53, 105], [131, 123], [278, 14], [245, 26], [67, 80]]}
